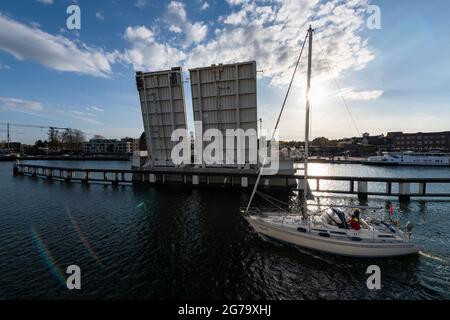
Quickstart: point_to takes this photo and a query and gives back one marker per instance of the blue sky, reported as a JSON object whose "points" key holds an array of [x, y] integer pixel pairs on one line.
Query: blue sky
{"points": [[394, 78]]}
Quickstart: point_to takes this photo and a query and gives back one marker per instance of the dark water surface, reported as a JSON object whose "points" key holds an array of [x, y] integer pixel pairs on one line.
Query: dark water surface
{"points": [[173, 242]]}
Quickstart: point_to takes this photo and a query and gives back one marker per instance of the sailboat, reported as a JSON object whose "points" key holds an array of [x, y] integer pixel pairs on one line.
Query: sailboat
{"points": [[329, 231]]}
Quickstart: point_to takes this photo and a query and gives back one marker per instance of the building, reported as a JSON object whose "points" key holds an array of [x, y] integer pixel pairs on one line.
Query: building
{"points": [[97, 146], [128, 144], [421, 141], [380, 142], [11, 146]]}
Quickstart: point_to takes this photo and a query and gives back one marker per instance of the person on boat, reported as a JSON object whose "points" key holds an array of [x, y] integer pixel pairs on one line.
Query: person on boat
{"points": [[354, 221], [391, 209]]}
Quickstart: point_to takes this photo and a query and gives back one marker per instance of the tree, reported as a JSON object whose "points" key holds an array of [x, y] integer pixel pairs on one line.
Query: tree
{"points": [[321, 142], [53, 137], [72, 139], [41, 144]]}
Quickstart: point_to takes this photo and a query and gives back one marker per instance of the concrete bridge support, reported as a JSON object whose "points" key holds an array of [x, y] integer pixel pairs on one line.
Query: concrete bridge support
{"points": [[362, 190], [404, 190]]}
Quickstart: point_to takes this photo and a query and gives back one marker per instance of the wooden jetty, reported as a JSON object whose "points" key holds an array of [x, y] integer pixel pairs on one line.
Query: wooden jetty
{"points": [[190, 176]]}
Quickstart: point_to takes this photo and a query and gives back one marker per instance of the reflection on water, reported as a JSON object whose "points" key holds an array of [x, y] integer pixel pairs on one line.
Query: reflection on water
{"points": [[359, 170], [175, 242]]}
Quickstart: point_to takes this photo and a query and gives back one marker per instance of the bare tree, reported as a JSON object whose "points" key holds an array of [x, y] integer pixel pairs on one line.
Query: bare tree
{"points": [[72, 139]]}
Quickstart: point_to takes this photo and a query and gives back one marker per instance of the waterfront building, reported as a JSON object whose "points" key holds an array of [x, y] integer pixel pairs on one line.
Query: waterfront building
{"points": [[421, 141], [11, 147], [98, 146]]}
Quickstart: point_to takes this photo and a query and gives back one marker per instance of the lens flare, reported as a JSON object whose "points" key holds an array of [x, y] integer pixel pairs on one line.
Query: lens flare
{"points": [[82, 237], [141, 205], [46, 255]]}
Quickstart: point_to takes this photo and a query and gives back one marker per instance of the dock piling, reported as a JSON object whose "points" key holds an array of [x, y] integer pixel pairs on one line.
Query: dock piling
{"points": [[362, 190], [404, 191]]}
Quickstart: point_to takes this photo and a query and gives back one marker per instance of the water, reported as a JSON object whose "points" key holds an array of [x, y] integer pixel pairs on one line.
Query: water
{"points": [[181, 243]]}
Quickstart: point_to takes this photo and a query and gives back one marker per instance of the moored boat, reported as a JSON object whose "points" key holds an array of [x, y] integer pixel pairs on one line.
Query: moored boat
{"points": [[411, 159]]}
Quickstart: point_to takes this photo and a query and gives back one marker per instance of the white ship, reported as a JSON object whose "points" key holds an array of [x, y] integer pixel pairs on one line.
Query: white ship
{"points": [[411, 159]]}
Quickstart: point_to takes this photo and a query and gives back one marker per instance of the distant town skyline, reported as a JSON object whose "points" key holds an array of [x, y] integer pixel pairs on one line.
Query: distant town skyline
{"points": [[393, 79]]}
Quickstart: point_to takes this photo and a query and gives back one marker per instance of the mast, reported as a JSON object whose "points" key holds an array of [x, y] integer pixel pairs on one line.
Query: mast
{"points": [[308, 106], [7, 135]]}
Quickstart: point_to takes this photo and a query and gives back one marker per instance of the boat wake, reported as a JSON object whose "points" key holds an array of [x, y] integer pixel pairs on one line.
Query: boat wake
{"points": [[427, 255]]}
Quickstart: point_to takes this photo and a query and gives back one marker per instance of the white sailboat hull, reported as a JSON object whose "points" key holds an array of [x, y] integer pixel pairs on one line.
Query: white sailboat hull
{"points": [[339, 247]]}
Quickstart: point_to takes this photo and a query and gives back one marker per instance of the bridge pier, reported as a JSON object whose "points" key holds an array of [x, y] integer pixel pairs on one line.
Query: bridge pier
{"points": [[16, 169], [116, 180], [68, 176], [136, 177], [244, 182], [388, 188], [422, 188], [404, 190], [49, 174], [362, 190], [86, 178]]}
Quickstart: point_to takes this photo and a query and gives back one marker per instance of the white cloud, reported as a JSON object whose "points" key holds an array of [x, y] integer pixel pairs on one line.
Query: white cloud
{"points": [[175, 13], [20, 104], [139, 34], [55, 52], [99, 16], [4, 67], [352, 94], [176, 18], [36, 25], [236, 18], [85, 118], [236, 2], [140, 4], [88, 117], [271, 33], [81, 113], [147, 53], [195, 33], [94, 109], [204, 6], [46, 2]]}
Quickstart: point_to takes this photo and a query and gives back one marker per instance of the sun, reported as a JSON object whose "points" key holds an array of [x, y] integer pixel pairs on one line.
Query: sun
{"points": [[319, 94]]}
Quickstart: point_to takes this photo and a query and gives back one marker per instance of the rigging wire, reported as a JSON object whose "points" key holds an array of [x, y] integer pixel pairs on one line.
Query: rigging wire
{"points": [[278, 121], [265, 197], [289, 87], [333, 74], [273, 198]]}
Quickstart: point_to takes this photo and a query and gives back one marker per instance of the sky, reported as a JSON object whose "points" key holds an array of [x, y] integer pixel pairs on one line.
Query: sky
{"points": [[392, 78]]}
